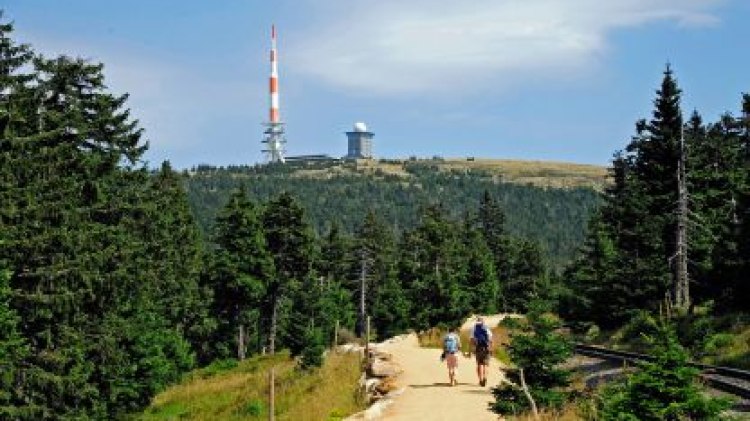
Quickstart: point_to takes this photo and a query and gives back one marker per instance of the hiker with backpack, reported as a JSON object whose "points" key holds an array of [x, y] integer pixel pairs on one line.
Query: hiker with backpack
{"points": [[451, 348], [481, 341]]}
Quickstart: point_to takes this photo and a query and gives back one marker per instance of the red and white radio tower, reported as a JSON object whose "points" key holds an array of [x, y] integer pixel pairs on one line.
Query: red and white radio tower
{"points": [[274, 132]]}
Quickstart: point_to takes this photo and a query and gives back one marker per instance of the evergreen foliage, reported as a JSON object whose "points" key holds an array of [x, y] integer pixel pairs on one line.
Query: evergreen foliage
{"points": [[102, 256], [553, 218], [626, 262], [13, 350], [290, 242], [239, 269], [538, 348], [109, 292], [665, 389]]}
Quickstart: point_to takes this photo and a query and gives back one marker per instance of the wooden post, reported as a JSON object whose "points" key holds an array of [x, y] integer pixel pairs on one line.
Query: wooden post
{"points": [[336, 335], [272, 396], [367, 340], [241, 344]]}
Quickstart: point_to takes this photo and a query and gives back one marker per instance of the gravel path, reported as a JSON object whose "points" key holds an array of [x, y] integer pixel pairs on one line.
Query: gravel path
{"points": [[427, 395]]}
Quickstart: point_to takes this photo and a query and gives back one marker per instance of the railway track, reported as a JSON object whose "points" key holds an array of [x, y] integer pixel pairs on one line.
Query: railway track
{"points": [[729, 380]]}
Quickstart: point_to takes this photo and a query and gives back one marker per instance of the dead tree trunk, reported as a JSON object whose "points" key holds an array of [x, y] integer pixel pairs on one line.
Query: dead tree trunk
{"points": [[682, 280], [362, 313]]}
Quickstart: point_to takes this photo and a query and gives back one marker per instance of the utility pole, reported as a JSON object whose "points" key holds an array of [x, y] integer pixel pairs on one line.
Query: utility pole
{"points": [[682, 280]]}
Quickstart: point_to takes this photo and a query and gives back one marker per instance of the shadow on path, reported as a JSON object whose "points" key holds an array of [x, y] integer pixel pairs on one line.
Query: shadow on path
{"points": [[446, 384]]}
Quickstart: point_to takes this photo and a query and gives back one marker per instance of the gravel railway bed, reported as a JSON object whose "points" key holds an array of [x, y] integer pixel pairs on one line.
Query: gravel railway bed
{"points": [[728, 380]]}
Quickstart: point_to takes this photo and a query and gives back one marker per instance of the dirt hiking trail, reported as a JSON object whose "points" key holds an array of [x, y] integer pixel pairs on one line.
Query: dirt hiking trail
{"points": [[427, 394]]}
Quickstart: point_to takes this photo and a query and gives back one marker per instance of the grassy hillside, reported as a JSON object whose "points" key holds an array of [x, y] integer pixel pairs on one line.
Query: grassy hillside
{"points": [[545, 201], [239, 391], [533, 173]]}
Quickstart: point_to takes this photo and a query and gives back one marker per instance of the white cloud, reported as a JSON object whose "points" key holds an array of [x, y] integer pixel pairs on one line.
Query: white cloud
{"points": [[386, 47]]}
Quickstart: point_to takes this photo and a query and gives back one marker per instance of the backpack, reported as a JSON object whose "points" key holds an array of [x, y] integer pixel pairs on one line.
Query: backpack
{"points": [[481, 337], [450, 344]]}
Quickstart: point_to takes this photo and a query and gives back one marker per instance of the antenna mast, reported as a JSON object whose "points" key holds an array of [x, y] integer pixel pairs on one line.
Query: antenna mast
{"points": [[274, 133]]}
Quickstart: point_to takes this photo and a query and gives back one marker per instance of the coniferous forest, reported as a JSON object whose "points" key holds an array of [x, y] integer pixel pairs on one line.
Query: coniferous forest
{"points": [[116, 278], [554, 218], [629, 260], [110, 292]]}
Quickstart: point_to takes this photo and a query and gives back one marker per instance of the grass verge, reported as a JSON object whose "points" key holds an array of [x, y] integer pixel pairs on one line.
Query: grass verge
{"points": [[239, 391]]}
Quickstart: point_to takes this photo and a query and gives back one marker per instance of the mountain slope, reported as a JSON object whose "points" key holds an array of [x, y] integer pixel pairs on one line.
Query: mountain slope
{"points": [[535, 204]]}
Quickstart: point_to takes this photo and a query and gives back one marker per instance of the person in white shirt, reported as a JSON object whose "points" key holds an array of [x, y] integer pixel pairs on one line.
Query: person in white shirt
{"points": [[451, 348]]}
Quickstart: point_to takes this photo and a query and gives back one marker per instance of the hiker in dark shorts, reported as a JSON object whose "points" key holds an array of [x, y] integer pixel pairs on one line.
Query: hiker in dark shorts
{"points": [[481, 342]]}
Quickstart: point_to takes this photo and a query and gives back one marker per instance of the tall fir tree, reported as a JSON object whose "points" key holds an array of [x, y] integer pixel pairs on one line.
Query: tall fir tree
{"points": [[290, 242], [656, 153], [431, 269], [638, 219], [386, 301], [481, 288], [76, 221], [491, 218], [240, 268]]}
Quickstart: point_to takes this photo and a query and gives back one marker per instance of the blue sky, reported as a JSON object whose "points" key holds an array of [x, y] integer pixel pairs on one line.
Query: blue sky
{"points": [[528, 79]]}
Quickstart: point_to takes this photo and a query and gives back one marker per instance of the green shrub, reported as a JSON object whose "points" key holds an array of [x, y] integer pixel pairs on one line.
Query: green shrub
{"points": [[314, 346], [694, 333], [217, 367], [665, 389], [254, 408], [640, 326], [538, 348]]}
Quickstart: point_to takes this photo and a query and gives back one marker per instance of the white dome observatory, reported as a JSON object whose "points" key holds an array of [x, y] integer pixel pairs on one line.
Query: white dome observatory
{"points": [[360, 127], [360, 142]]}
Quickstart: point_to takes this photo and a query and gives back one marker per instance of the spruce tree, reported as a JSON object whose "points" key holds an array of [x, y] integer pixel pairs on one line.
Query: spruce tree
{"points": [[373, 260], [655, 158], [591, 279], [664, 389], [638, 217], [78, 229], [387, 302], [528, 278], [491, 218], [336, 258], [240, 268], [481, 289], [539, 349], [432, 270], [290, 242]]}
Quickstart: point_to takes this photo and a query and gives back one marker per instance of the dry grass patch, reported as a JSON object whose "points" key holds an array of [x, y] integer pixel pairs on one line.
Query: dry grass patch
{"points": [[241, 393], [536, 173]]}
